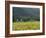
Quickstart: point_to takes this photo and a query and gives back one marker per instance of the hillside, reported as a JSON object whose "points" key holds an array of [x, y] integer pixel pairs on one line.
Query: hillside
{"points": [[30, 13]]}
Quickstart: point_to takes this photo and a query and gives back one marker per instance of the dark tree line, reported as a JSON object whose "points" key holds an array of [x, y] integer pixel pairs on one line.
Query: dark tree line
{"points": [[26, 18]]}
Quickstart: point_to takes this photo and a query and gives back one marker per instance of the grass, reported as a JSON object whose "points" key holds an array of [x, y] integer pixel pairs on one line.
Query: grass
{"points": [[33, 25]]}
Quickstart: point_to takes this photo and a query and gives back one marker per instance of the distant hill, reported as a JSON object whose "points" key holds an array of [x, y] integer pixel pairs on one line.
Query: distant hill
{"points": [[26, 12]]}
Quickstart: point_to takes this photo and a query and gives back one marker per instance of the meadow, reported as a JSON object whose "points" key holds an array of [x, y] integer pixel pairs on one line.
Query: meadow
{"points": [[30, 25]]}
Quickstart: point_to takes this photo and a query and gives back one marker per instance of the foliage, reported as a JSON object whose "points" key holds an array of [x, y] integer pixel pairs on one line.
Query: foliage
{"points": [[26, 18], [33, 25]]}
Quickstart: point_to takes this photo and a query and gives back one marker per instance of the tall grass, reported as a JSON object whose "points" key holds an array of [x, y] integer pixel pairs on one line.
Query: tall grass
{"points": [[33, 25]]}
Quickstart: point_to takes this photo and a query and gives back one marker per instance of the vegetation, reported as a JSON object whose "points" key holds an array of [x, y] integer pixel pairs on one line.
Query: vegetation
{"points": [[33, 25], [26, 18]]}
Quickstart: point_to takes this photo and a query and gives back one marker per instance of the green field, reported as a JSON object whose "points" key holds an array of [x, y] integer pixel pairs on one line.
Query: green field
{"points": [[33, 25]]}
